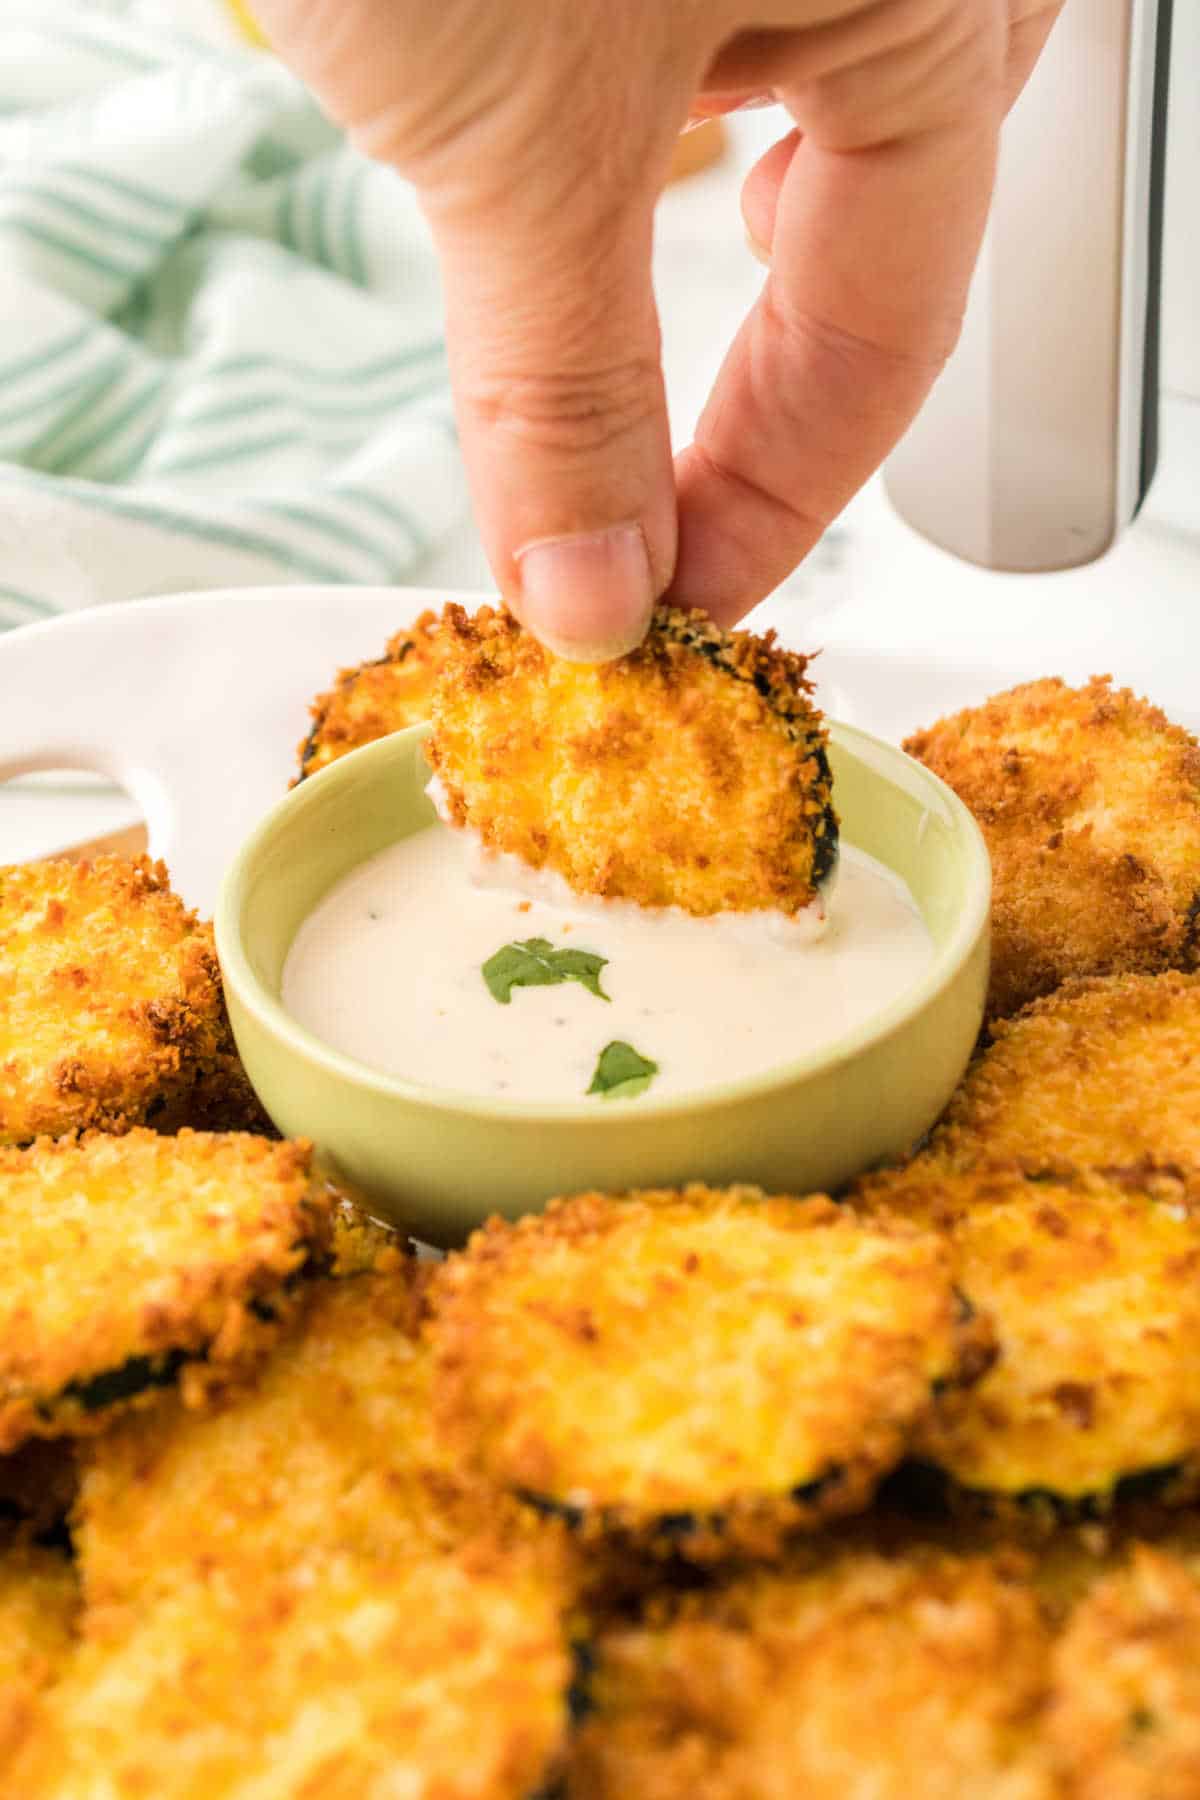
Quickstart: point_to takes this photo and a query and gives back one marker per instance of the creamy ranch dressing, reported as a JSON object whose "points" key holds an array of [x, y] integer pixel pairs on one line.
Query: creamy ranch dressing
{"points": [[387, 969]]}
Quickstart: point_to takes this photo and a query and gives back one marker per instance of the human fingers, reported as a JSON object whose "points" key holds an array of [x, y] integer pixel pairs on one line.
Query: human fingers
{"points": [[877, 224], [760, 194], [1030, 24], [538, 141]]}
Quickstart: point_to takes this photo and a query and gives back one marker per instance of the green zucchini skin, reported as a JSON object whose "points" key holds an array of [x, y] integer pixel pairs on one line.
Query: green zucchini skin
{"points": [[142, 1374], [670, 1532], [136, 1376], [717, 647], [925, 1491]]}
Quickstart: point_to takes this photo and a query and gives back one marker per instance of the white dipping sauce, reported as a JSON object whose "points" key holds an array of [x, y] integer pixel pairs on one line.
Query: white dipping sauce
{"points": [[388, 967]]}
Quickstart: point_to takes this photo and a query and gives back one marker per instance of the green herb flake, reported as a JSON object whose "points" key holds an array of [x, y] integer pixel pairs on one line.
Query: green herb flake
{"points": [[621, 1073], [536, 963]]}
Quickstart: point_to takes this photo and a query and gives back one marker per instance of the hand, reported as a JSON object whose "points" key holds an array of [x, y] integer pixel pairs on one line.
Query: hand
{"points": [[539, 134]]}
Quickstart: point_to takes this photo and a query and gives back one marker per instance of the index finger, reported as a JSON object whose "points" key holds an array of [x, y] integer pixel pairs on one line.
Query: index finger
{"points": [[871, 260]]}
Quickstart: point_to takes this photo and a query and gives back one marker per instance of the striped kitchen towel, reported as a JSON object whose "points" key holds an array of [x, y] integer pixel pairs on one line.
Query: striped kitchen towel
{"points": [[221, 358]]}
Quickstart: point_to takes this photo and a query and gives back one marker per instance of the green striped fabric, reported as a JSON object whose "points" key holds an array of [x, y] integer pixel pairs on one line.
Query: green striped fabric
{"points": [[221, 357]]}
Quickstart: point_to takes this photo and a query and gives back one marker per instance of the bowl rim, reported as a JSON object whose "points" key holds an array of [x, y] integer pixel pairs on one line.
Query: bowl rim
{"points": [[272, 1016]]}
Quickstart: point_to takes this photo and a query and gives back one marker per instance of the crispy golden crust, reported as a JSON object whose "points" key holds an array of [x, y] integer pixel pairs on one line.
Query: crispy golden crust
{"points": [[39, 1598], [220, 1098], [1090, 803], [690, 773], [921, 1675], [702, 1368], [1125, 1718], [442, 1679], [330, 1452], [375, 698], [110, 1000], [1104, 1071], [296, 1594], [1092, 1282], [128, 1259]]}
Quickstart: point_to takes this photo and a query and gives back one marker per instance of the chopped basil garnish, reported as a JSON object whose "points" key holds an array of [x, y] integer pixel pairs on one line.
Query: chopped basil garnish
{"points": [[621, 1072], [536, 963]]}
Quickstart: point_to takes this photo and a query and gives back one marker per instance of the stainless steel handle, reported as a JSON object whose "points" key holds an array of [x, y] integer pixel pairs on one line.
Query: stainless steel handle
{"points": [[1037, 444]]}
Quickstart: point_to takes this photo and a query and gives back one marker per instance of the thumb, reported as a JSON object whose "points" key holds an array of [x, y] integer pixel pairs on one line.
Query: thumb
{"points": [[555, 359]]}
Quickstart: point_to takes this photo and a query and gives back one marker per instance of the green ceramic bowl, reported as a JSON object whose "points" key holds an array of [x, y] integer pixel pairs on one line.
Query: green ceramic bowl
{"points": [[439, 1162]]}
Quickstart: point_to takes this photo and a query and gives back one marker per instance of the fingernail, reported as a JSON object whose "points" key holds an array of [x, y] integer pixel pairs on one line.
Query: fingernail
{"points": [[587, 597]]}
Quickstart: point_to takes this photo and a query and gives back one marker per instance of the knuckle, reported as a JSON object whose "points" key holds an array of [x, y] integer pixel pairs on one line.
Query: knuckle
{"points": [[940, 72], [851, 358], [582, 412]]}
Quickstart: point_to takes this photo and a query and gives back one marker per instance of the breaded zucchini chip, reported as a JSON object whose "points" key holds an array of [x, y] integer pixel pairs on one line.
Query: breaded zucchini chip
{"points": [[375, 698], [861, 1675], [1092, 1283], [1124, 1722], [39, 1599], [128, 1261], [110, 999], [1102, 1072], [1089, 799], [330, 1452], [442, 1679], [691, 773], [220, 1098], [702, 1369]]}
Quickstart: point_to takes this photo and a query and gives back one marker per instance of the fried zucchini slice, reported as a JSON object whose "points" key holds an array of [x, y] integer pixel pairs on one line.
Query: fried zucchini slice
{"points": [[1124, 1720], [920, 1674], [1092, 1283], [331, 1451], [1102, 1072], [129, 1261], [220, 1098], [705, 1369], [294, 1593], [110, 998], [690, 773], [375, 698], [1089, 799], [39, 1599], [441, 1679]]}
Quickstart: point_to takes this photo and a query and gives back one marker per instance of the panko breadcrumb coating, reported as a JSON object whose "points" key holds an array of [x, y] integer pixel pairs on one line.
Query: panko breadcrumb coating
{"points": [[1092, 1283], [375, 698], [130, 1260], [221, 1097], [331, 1451], [1124, 1722], [703, 1369], [689, 773], [39, 1600], [888, 1677], [110, 999], [295, 1594], [441, 1679], [1089, 799], [1102, 1072]]}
